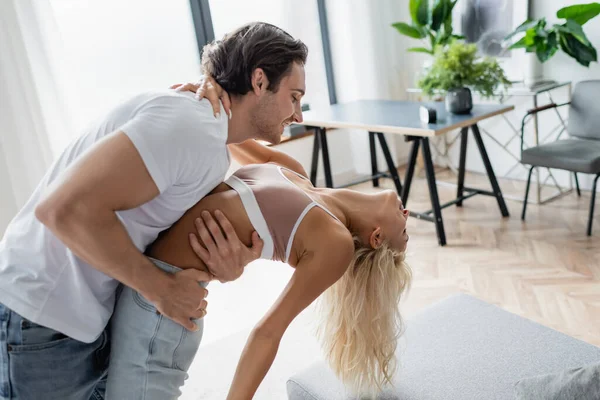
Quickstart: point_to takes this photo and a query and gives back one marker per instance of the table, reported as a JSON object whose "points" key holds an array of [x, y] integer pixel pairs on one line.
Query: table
{"points": [[402, 117], [519, 91]]}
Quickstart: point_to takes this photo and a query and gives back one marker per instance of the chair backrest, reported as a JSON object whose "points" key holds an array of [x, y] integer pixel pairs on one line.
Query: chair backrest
{"points": [[584, 112]]}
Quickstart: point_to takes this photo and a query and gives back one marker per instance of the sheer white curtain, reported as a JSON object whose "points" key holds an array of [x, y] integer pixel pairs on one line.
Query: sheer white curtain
{"points": [[63, 63], [30, 103]]}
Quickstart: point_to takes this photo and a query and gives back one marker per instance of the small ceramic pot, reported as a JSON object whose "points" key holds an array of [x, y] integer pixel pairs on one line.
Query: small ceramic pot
{"points": [[459, 101]]}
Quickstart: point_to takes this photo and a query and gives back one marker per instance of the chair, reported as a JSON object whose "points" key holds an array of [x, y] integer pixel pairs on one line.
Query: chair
{"points": [[579, 153]]}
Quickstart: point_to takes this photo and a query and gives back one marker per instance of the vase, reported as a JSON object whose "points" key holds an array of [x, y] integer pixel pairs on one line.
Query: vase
{"points": [[459, 101], [533, 71]]}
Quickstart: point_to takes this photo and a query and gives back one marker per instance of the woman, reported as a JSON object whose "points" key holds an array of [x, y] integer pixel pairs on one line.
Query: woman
{"points": [[348, 246]]}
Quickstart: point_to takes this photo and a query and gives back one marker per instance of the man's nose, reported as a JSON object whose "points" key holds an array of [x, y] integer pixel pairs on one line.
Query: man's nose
{"points": [[298, 114]]}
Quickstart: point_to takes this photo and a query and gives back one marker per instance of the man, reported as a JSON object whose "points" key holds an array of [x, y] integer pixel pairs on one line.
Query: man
{"points": [[126, 179]]}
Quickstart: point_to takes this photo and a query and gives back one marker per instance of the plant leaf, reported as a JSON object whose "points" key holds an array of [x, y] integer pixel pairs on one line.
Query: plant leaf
{"points": [[414, 10], [522, 28], [439, 14], [547, 48], [423, 13], [530, 37], [409, 30], [420, 50], [576, 30], [419, 12], [582, 53], [580, 13], [521, 44]]}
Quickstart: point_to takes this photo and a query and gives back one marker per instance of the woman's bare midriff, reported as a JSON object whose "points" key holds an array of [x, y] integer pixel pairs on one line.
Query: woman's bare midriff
{"points": [[173, 246]]}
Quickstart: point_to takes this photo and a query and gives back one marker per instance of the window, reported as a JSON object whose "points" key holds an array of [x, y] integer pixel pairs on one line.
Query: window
{"points": [[300, 20], [113, 49]]}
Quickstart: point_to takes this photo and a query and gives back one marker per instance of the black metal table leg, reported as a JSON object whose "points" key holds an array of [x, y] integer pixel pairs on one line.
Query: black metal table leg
{"points": [[592, 202], [325, 152], [433, 194], [464, 137], [315, 157], [374, 169], [490, 171], [410, 171], [390, 162]]}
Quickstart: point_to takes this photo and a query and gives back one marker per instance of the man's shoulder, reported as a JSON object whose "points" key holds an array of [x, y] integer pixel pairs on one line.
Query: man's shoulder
{"points": [[182, 114], [164, 99]]}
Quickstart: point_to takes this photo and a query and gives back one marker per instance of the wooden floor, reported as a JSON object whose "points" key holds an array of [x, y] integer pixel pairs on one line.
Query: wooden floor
{"points": [[545, 269]]}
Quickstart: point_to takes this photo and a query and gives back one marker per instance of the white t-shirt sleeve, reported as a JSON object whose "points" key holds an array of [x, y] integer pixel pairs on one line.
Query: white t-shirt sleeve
{"points": [[169, 132]]}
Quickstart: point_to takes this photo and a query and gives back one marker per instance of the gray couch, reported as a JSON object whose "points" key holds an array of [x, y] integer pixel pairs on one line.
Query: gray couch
{"points": [[461, 349]]}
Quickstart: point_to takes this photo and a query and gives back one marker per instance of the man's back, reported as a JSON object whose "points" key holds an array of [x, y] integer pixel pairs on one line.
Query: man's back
{"points": [[184, 150]]}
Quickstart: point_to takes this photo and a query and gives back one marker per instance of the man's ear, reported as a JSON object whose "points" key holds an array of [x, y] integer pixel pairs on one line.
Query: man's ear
{"points": [[260, 82], [376, 239]]}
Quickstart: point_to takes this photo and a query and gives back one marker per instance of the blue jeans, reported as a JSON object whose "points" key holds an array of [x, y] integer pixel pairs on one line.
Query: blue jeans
{"points": [[39, 363], [150, 354]]}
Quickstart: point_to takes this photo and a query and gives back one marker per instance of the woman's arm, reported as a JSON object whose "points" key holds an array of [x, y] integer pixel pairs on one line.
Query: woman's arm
{"points": [[315, 272], [252, 152]]}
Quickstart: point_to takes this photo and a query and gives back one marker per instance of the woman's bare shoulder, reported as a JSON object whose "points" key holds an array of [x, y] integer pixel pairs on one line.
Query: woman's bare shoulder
{"points": [[320, 232]]}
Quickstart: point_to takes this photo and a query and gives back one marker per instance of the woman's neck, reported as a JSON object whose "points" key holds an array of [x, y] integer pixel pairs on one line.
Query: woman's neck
{"points": [[352, 208]]}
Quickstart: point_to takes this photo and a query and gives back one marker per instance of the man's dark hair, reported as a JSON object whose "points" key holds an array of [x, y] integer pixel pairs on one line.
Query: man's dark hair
{"points": [[232, 60]]}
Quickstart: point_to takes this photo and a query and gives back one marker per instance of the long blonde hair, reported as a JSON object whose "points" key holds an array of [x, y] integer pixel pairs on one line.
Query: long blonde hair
{"points": [[361, 321]]}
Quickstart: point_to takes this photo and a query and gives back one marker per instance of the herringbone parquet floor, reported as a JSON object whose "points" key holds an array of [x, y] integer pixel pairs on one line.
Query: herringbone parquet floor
{"points": [[545, 269]]}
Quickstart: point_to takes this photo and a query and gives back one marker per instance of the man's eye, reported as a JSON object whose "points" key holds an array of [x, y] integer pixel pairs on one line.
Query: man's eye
{"points": [[295, 100]]}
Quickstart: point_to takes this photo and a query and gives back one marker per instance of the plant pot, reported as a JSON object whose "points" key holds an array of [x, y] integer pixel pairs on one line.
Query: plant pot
{"points": [[459, 101], [533, 71]]}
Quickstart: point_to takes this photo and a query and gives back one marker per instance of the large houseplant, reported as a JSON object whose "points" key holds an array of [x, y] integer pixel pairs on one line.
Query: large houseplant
{"points": [[430, 22], [545, 40], [457, 70]]}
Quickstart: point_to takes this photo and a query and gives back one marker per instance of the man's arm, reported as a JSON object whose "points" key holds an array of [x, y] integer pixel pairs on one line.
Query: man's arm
{"points": [[252, 152], [80, 210], [313, 275]]}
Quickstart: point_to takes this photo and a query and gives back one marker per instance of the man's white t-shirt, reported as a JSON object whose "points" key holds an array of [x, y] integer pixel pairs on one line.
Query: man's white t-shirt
{"points": [[184, 149]]}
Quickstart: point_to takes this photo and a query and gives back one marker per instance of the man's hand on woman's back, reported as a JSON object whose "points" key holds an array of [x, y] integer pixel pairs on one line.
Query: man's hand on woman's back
{"points": [[223, 252]]}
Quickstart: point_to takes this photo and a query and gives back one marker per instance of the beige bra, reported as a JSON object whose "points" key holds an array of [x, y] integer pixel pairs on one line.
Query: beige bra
{"points": [[274, 204]]}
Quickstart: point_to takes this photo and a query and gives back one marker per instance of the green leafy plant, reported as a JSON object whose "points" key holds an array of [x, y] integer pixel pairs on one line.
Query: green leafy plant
{"points": [[459, 66], [545, 40], [431, 22]]}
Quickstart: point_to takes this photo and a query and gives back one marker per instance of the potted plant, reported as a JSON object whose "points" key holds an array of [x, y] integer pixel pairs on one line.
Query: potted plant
{"points": [[457, 70], [544, 40], [432, 22]]}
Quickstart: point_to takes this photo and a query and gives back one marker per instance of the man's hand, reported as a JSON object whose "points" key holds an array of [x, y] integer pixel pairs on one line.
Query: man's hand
{"points": [[223, 252], [183, 299], [208, 88]]}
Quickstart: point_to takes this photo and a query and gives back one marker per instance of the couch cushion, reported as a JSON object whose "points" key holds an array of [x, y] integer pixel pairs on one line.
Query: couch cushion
{"points": [[461, 348], [574, 383]]}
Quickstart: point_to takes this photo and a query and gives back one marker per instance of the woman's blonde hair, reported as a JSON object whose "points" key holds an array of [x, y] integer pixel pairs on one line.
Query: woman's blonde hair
{"points": [[361, 320]]}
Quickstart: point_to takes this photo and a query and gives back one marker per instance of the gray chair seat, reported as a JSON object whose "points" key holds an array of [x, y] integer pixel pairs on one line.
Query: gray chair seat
{"points": [[571, 154]]}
